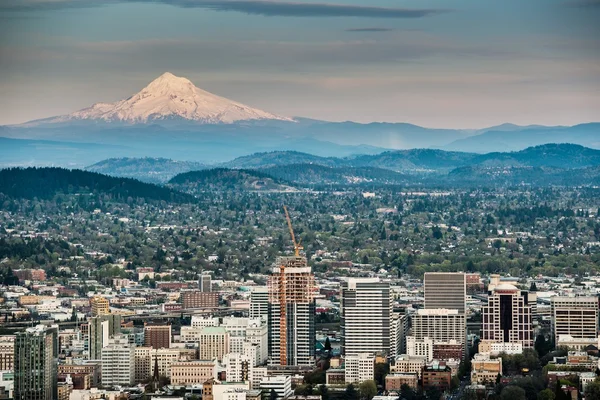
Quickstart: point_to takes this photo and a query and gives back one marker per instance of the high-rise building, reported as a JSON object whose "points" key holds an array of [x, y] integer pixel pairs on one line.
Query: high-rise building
{"points": [[507, 316], [118, 362], [439, 324], [100, 306], [157, 335], [35, 364], [100, 329], [445, 290], [213, 342], [259, 303], [293, 341], [574, 316], [366, 316], [205, 283], [7, 352]]}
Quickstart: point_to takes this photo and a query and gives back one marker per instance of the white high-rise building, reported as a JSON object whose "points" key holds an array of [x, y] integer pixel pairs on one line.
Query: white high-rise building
{"points": [[237, 367], [259, 302], [440, 325], [507, 317], [366, 316], [419, 347], [281, 384], [359, 368], [118, 362], [574, 316]]}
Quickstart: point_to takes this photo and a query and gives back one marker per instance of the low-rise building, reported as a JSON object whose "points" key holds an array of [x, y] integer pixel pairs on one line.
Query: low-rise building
{"points": [[394, 382]]}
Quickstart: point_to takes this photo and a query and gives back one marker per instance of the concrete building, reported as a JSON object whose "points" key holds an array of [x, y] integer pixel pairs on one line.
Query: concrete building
{"points": [[237, 367], [572, 343], [143, 363], [100, 329], [495, 348], [185, 373], [507, 317], [165, 358], [157, 335], [7, 352], [86, 372], [440, 325], [213, 342], [281, 384], [445, 290], [100, 306], [485, 370], [292, 338], [205, 283], [399, 332], [394, 382], [359, 368], [419, 347], [437, 374], [259, 302], [406, 364], [574, 316], [197, 299], [118, 362], [366, 316], [35, 364]]}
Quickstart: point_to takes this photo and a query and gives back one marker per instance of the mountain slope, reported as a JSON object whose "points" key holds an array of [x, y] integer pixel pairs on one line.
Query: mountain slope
{"points": [[153, 170], [169, 97], [559, 155], [226, 179], [45, 183]]}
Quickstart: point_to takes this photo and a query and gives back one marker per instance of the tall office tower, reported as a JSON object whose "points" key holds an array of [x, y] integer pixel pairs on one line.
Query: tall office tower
{"points": [[507, 317], [118, 362], [446, 290], [205, 283], [157, 335], [366, 316], [292, 335], [36, 363], [7, 352], [574, 316], [439, 324], [100, 306], [100, 329], [259, 302]]}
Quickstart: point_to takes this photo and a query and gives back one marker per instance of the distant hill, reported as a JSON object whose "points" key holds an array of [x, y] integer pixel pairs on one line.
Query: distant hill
{"points": [[563, 155], [278, 158], [153, 170], [45, 183], [513, 140], [313, 174], [226, 179]]}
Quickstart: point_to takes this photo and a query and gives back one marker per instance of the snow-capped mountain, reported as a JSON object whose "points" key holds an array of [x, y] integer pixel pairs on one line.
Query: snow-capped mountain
{"points": [[170, 97]]}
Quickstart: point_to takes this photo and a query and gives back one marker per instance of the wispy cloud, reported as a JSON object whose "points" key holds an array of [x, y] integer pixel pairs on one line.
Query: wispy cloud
{"points": [[252, 7], [369, 30]]}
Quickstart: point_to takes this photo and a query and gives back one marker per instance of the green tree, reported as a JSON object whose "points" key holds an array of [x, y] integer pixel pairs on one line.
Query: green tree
{"points": [[381, 370], [546, 394], [324, 392], [327, 345], [513, 393], [592, 390], [368, 389], [350, 393], [273, 395], [407, 393]]}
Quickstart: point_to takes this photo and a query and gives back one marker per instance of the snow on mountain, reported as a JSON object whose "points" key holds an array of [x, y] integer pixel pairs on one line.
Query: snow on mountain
{"points": [[170, 97]]}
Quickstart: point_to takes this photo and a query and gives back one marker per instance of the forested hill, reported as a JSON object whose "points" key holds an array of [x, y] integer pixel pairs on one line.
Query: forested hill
{"points": [[45, 183], [223, 178]]}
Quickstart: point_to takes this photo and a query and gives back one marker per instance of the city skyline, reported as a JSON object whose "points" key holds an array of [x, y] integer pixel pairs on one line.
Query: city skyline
{"points": [[432, 63]]}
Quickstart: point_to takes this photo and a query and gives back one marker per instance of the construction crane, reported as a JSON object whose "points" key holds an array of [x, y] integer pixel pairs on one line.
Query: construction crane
{"points": [[283, 294]]}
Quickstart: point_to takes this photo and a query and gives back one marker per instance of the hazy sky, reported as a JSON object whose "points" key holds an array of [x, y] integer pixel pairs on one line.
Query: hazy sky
{"points": [[436, 63]]}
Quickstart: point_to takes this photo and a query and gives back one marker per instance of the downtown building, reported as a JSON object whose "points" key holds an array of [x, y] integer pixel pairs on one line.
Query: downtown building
{"points": [[576, 317], [507, 318], [118, 362], [367, 318], [293, 341], [35, 364]]}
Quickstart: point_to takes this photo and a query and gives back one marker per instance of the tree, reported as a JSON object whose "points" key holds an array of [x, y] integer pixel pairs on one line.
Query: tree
{"points": [[546, 394], [350, 393], [327, 346], [324, 392], [513, 393], [273, 395], [592, 390], [368, 389], [407, 393], [381, 370]]}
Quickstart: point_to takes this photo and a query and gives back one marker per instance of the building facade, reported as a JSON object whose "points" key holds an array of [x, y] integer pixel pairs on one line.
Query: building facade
{"points": [[118, 362], [507, 317], [157, 335], [366, 316], [574, 316], [445, 290]]}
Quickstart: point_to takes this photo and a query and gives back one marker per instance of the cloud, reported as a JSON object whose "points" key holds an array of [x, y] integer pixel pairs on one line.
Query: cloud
{"points": [[253, 7], [369, 30]]}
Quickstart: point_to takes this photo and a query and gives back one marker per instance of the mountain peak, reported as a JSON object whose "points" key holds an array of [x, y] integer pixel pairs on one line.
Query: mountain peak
{"points": [[171, 97]]}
